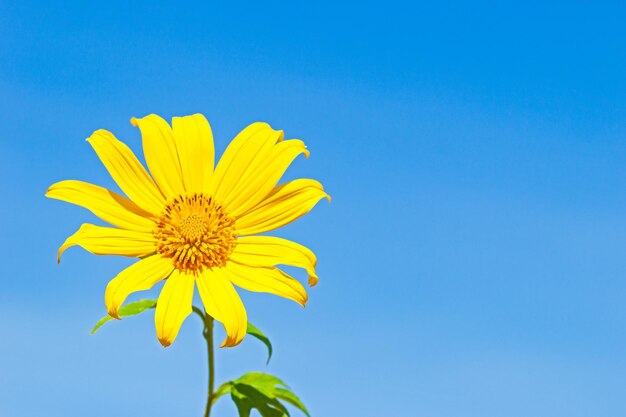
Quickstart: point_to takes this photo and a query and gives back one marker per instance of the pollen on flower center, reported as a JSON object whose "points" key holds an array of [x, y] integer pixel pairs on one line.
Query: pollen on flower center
{"points": [[193, 227], [196, 233]]}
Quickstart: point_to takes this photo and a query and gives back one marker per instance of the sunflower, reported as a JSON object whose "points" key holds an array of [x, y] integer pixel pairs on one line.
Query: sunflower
{"points": [[194, 225]]}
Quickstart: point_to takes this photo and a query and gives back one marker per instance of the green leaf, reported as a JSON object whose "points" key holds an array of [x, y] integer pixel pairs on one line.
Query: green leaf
{"points": [[247, 397], [255, 332], [263, 392], [225, 388], [291, 398], [264, 382], [130, 309]]}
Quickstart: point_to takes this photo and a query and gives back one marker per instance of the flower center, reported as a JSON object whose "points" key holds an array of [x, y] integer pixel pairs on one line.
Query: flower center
{"points": [[196, 233]]}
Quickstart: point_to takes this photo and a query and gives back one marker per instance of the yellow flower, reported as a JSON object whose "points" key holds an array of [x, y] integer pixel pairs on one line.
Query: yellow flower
{"points": [[191, 224]]}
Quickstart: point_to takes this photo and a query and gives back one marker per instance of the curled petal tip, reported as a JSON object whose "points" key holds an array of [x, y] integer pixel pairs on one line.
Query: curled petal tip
{"points": [[114, 314], [134, 121], [164, 342], [313, 280], [230, 342], [59, 253], [329, 198]]}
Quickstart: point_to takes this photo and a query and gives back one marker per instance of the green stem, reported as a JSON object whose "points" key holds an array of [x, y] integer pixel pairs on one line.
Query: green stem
{"points": [[208, 335]]}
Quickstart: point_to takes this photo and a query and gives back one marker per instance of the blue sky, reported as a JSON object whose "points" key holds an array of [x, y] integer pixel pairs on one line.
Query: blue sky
{"points": [[471, 261]]}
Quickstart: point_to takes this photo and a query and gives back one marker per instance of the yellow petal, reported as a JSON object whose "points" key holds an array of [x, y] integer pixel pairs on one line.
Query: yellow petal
{"points": [[127, 171], [269, 280], [139, 276], [109, 206], [235, 165], [194, 143], [283, 205], [160, 152], [173, 306], [264, 173], [269, 251], [222, 302], [110, 241]]}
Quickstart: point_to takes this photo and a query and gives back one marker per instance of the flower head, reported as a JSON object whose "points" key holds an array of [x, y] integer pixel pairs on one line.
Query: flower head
{"points": [[193, 225]]}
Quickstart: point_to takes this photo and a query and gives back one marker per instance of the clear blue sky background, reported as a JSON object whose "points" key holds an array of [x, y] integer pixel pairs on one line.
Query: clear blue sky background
{"points": [[472, 262]]}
